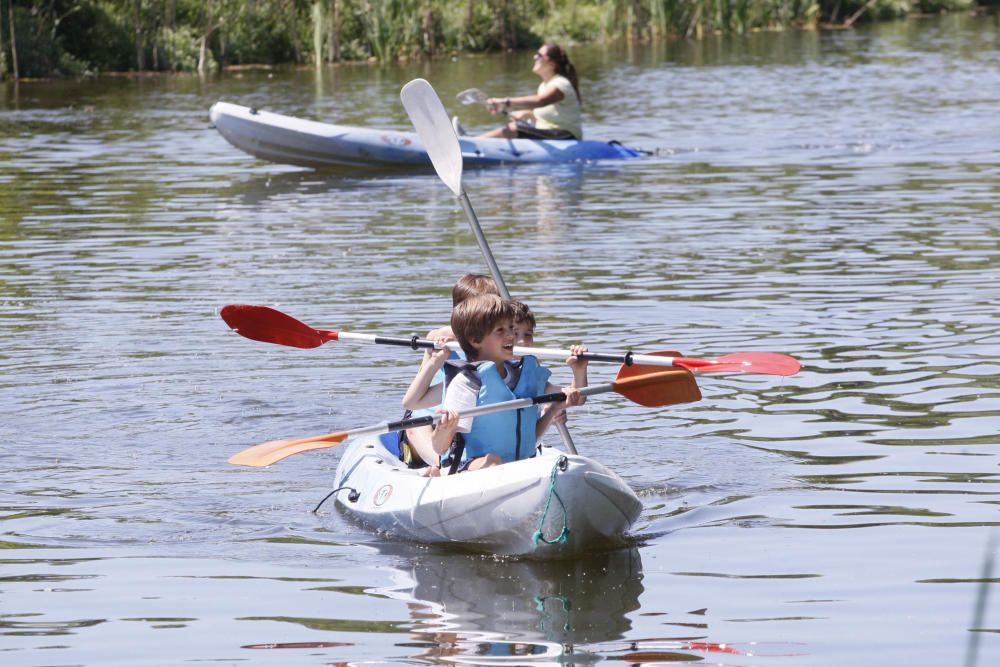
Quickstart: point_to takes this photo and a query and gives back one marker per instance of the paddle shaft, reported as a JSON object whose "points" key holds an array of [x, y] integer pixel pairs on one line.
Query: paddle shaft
{"points": [[628, 358], [435, 130], [463, 199], [268, 325], [650, 389], [484, 247], [516, 404], [476, 96]]}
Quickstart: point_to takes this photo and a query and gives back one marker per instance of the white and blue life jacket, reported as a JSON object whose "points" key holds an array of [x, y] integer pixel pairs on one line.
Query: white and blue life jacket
{"points": [[509, 434]]}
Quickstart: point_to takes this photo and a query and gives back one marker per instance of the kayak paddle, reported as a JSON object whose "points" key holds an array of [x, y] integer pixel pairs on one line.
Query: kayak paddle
{"points": [[476, 96], [472, 96], [268, 325], [645, 385], [429, 118]]}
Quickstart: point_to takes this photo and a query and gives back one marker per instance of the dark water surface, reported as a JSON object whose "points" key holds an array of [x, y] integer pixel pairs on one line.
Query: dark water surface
{"points": [[831, 196]]}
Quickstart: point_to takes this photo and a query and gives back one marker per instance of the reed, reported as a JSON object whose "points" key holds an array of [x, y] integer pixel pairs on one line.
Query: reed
{"points": [[72, 37]]}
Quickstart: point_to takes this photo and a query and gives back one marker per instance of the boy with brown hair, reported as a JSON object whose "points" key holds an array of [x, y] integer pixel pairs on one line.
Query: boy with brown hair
{"points": [[484, 327], [416, 448]]}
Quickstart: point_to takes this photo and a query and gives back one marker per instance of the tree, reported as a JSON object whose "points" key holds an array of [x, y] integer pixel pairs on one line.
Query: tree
{"points": [[333, 33], [13, 38], [209, 26]]}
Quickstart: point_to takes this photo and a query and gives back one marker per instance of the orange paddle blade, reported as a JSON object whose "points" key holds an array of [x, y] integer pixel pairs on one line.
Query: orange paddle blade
{"points": [[267, 453], [654, 386]]}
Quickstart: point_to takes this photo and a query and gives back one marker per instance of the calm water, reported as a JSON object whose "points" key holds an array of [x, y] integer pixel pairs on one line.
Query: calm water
{"points": [[831, 196]]}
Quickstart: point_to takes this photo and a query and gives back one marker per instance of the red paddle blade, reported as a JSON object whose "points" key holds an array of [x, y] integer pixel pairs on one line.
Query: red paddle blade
{"points": [[268, 325], [655, 386], [763, 363], [271, 452]]}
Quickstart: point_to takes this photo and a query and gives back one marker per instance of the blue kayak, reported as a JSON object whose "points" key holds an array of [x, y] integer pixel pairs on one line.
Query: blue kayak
{"points": [[289, 140]]}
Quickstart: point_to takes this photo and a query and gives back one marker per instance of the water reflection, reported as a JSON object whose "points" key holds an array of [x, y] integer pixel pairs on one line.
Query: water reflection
{"points": [[472, 609], [481, 611]]}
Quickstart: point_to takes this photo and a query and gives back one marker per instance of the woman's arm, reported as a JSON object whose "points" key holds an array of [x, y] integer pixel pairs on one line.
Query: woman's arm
{"points": [[550, 95]]}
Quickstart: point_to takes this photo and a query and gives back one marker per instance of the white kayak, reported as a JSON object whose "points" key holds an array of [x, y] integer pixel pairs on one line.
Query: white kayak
{"points": [[307, 143], [551, 506]]}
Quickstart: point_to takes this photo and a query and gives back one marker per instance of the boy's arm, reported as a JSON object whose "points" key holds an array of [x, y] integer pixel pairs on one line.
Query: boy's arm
{"points": [[445, 431], [573, 397], [578, 366], [421, 394], [546, 417], [460, 396]]}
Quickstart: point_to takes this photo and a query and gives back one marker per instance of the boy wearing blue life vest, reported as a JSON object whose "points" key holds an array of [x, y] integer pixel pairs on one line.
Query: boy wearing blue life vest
{"points": [[416, 444], [484, 327], [524, 336]]}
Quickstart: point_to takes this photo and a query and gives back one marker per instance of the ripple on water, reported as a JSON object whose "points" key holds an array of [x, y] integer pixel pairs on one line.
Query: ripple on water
{"points": [[782, 515]]}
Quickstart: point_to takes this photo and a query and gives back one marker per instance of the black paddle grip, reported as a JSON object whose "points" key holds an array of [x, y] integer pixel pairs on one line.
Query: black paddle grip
{"points": [[616, 358], [412, 342], [403, 424], [554, 397]]}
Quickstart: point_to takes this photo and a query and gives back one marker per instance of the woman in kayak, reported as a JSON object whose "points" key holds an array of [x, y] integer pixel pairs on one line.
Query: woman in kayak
{"points": [[554, 111]]}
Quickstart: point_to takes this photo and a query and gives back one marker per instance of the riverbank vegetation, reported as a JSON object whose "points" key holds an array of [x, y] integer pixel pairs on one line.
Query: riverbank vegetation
{"points": [[40, 38]]}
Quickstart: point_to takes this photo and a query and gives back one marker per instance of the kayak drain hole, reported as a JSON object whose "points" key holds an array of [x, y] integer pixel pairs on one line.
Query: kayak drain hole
{"points": [[352, 496]]}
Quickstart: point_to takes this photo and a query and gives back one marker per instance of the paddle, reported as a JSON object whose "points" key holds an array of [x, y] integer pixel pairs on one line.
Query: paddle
{"points": [[428, 116], [476, 96], [645, 385], [472, 96], [268, 325]]}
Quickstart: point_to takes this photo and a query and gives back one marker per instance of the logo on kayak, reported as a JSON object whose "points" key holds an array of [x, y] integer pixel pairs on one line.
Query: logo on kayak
{"points": [[382, 495], [396, 140]]}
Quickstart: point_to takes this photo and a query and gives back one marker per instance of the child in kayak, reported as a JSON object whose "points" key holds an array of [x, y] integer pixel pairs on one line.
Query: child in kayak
{"points": [[484, 327], [420, 439], [524, 336], [416, 448]]}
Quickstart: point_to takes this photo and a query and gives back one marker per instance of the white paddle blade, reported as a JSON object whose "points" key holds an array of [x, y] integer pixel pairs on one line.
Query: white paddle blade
{"points": [[428, 116], [472, 96]]}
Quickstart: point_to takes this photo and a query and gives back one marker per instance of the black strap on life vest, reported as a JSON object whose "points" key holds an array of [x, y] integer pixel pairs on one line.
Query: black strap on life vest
{"points": [[456, 367], [457, 449]]}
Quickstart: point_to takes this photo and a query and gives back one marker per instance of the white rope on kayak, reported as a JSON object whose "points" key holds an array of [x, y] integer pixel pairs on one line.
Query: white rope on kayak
{"points": [[564, 533]]}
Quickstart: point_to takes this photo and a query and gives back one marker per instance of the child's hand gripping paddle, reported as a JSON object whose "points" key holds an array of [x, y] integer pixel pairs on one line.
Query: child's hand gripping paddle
{"points": [[645, 385]]}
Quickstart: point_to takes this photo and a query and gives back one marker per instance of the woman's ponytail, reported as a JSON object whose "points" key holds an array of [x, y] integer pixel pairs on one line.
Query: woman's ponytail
{"points": [[564, 67]]}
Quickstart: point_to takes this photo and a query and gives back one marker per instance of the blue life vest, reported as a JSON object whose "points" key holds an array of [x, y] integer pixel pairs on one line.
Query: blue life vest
{"points": [[509, 434]]}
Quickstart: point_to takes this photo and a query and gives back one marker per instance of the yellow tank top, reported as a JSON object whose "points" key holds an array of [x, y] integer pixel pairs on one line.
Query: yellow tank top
{"points": [[563, 115]]}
